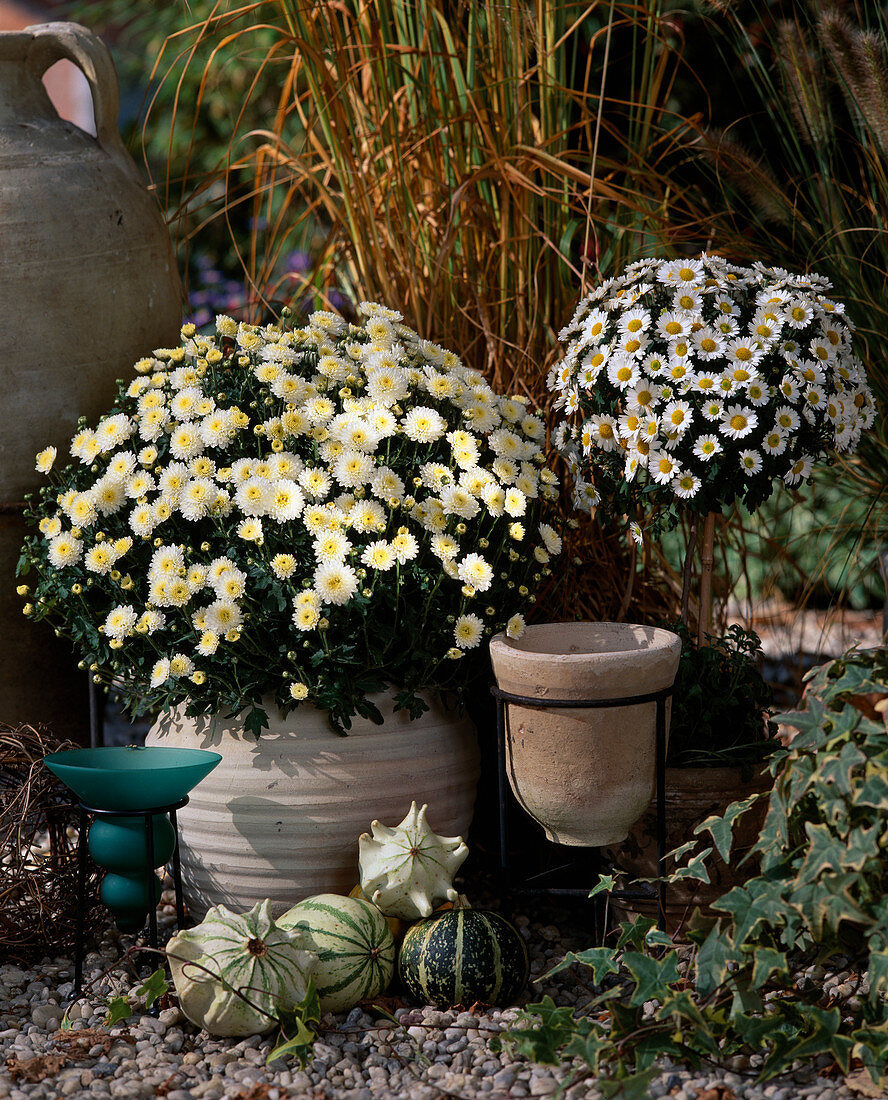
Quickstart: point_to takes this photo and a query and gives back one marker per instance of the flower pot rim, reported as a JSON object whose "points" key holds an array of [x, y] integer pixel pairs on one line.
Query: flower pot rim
{"points": [[657, 637]]}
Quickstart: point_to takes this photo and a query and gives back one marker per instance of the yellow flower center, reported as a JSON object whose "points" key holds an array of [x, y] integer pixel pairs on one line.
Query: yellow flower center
{"points": [[738, 422]]}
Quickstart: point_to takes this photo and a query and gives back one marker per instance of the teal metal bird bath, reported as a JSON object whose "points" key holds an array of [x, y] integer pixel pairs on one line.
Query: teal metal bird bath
{"points": [[132, 794]]}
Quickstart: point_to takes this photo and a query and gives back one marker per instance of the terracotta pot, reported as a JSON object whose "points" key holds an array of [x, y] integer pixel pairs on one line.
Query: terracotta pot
{"points": [[280, 816], [584, 774], [692, 795], [89, 286]]}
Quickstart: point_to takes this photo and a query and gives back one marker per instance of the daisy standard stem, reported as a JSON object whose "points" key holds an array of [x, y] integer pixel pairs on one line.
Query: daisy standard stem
{"points": [[706, 557]]}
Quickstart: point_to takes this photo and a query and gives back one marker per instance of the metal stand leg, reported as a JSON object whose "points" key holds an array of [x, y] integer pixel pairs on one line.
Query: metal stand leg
{"points": [[501, 781], [81, 904], [177, 875], [661, 813], [151, 882]]}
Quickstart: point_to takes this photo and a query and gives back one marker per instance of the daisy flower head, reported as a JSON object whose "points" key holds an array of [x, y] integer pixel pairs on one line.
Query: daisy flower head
{"points": [[738, 421], [750, 462], [623, 372], [707, 447], [687, 486]]}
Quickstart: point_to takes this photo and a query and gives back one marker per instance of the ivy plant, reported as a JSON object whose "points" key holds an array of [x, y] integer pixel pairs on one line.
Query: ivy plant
{"points": [[815, 897]]}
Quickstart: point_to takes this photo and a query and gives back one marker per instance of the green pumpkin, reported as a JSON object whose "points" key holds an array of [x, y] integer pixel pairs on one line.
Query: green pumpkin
{"points": [[462, 956]]}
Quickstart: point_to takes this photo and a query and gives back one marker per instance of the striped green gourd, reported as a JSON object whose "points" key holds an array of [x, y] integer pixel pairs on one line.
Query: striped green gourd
{"points": [[249, 953], [462, 956], [354, 945]]}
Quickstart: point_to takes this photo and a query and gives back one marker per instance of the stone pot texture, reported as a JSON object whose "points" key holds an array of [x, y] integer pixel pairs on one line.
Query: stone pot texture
{"points": [[586, 775], [89, 287], [281, 814], [692, 795]]}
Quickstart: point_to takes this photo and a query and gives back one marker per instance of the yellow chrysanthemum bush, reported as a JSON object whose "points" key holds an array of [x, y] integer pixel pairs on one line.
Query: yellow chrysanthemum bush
{"points": [[310, 513]]}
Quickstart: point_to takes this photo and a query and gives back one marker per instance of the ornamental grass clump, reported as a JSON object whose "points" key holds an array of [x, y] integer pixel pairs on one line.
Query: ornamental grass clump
{"points": [[695, 383], [306, 513]]}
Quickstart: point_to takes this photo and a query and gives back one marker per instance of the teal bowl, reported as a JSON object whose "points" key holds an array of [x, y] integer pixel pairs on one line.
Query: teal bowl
{"points": [[132, 778]]}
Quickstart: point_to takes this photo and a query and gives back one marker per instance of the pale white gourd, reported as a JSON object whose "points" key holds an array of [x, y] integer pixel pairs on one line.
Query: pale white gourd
{"points": [[409, 869], [247, 952], [354, 945]]}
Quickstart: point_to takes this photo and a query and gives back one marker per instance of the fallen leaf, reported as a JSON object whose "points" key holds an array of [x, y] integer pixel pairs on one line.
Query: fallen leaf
{"points": [[864, 1084], [35, 1069], [717, 1092]]}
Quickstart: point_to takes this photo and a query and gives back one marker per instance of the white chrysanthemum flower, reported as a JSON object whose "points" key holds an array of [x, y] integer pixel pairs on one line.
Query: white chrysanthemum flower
{"points": [[253, 496], [444, 546], [85, 446], [250, 530], [687, 486], [113, 431], [386, 484], [515, 627], [160, 673], [82, 510], [109, 495], [216, 429], [173, 479], [494, 498], [353, 469], [551, 539], [474, 570], [181, 665], [335, 582], [456, 501], [423, 425], [331, 546], [468, 631], [799, 471], [167, 561], [707, 446], [64, 550], [223, 615], [45, 459], [315, 482], [515, 503], [405, 546], [738, 421], [208, 643], [379, 555], [150, 621], [285, 500], [196, 498], [120, 622], [50, 526], [387, 384], [367, 516], [319, 410], [140, 484], [283, 566], [750, 462]]}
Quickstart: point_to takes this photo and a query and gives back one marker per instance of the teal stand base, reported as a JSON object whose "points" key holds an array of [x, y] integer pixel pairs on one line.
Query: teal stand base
{"points": [[129, 845]]}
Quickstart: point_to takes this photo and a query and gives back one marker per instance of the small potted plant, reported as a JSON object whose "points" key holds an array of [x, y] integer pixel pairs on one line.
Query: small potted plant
{"points": [[293, 528], [686, 386]]}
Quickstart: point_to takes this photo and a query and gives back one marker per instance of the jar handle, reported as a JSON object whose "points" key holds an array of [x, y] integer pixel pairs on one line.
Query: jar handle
{"points": [[53, 42]]}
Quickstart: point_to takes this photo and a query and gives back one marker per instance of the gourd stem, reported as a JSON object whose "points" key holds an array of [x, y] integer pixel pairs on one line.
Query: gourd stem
{"points": [[704, 620]]}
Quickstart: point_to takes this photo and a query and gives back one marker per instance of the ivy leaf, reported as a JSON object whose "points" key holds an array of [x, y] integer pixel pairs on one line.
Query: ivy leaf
{"points": [[836, 770], [634, 934], [119, 1009], [874, 791], [602, 960], [721, 828], [636, 1087], [653, 977], [767, 961], [542, 1041], [759, 902], [713, 957], [154, 987], [587, 1044], [695, 869], [823, 1039], [825, 853], [605, 883], [299, 1028], [877, 972]]}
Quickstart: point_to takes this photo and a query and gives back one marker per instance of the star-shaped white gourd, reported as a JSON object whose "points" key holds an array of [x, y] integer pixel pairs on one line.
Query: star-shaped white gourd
{"points": [[408, 870]]}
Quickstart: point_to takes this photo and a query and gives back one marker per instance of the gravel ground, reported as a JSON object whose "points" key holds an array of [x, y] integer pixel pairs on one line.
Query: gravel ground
{"points": [[359, 1055]]}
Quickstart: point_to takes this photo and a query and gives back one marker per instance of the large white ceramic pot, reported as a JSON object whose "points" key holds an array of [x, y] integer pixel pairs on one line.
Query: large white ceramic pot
{"points": [[280, 816], [586, 775]]}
